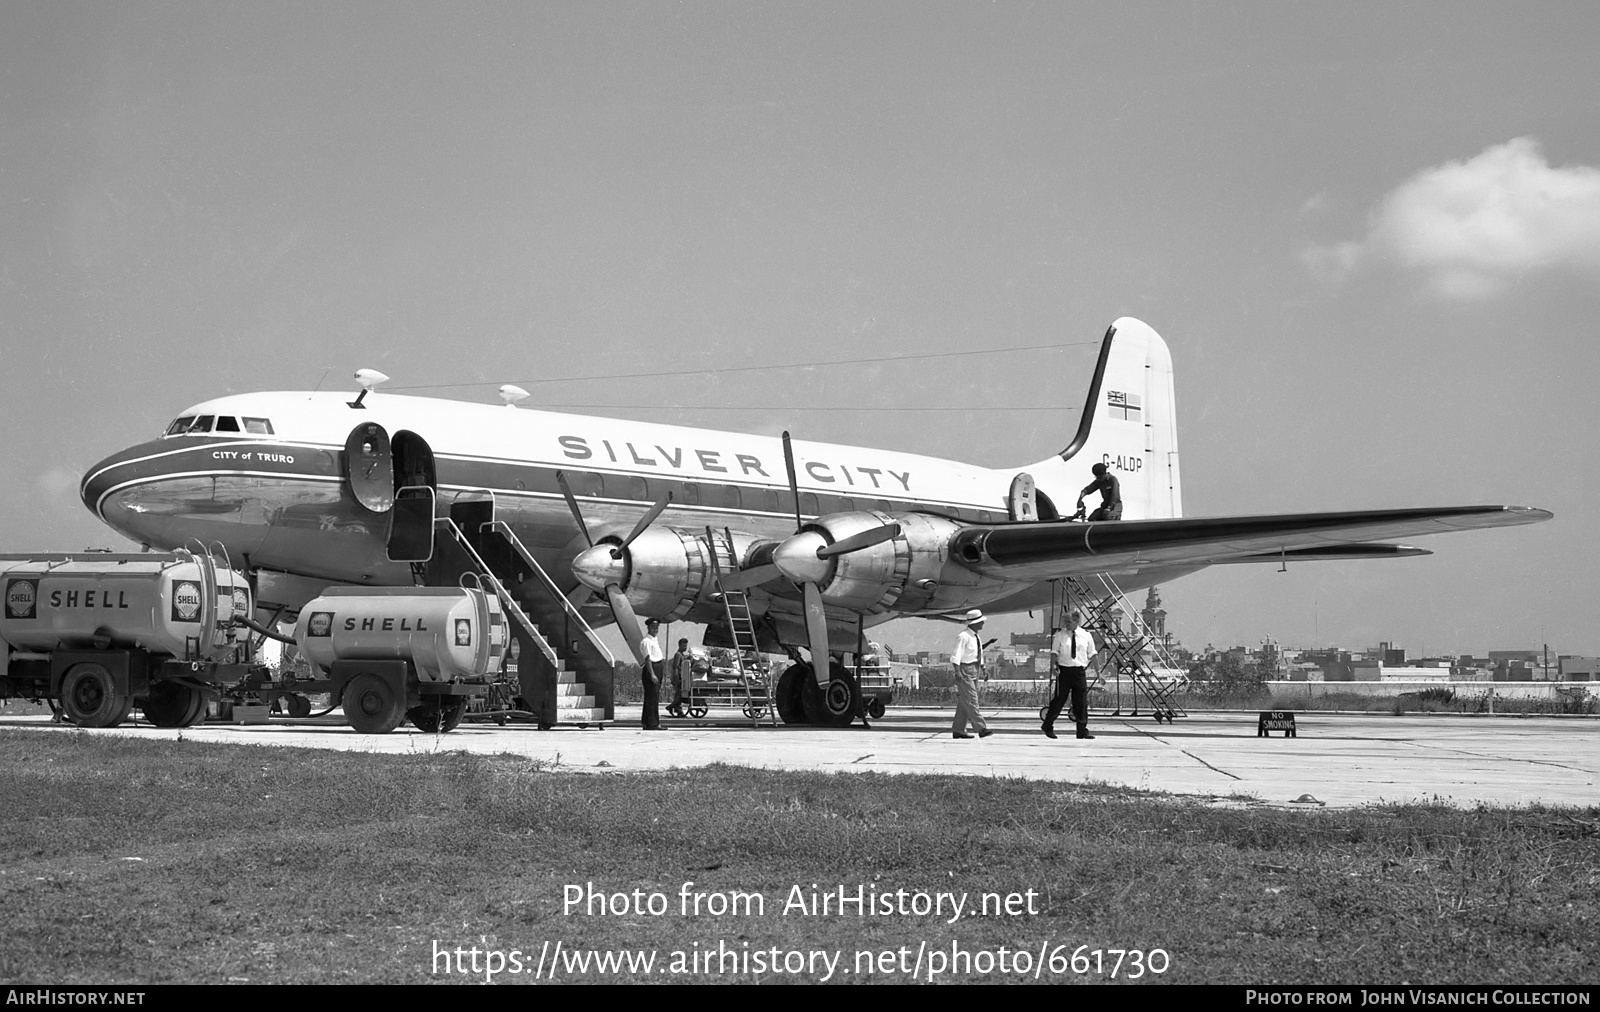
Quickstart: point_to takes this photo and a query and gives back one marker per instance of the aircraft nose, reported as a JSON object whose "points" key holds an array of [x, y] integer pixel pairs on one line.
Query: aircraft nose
{"points": [[116, 471], [99, 479]]}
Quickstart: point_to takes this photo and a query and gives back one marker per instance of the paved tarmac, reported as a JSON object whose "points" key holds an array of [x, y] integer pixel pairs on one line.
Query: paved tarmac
{"points": [[1339, 759]]}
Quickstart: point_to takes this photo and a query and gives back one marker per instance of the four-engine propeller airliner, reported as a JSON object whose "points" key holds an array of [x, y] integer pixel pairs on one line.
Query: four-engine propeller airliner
{"points": [[301, 489]]}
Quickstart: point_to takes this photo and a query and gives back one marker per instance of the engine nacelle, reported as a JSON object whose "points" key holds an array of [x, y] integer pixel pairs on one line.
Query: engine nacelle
{"points": [[905, 572], [664, 571]]}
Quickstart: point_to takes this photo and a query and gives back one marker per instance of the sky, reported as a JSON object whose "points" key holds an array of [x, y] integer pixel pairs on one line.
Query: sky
{"points": [[1370, 234]]}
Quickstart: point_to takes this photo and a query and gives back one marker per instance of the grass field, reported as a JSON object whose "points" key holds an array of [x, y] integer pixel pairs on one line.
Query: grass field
{"points": [[139, 861]]}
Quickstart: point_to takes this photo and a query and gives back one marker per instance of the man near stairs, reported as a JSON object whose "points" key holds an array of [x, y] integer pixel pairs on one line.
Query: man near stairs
{"points": [[650, 675], [1072, 648]]}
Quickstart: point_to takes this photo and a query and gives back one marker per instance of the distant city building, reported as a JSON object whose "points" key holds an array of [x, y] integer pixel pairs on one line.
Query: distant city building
{"points": [[1579, 669]]}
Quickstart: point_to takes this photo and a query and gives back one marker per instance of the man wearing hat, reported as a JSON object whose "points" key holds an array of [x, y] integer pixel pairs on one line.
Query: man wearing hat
{"points": [[968, 661]]}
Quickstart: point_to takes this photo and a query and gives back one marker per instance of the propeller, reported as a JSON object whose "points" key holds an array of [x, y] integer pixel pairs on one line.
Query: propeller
{"points": [[806, 558], [604, 567]]}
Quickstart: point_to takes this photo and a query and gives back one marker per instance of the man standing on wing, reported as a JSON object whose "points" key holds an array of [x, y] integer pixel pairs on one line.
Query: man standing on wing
{"points": [[968, 662], [1071, 650]]}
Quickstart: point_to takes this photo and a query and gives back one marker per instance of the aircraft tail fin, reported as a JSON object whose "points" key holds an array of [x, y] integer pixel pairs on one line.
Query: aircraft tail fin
{"points": [[1129, 423]]}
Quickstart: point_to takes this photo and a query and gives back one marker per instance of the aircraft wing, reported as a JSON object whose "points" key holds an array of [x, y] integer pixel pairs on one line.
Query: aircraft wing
{"points": [[1041, 551]]}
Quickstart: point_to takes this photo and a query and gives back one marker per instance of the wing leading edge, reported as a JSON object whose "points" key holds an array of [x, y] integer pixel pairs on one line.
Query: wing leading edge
{"points": [[1045, 550]]}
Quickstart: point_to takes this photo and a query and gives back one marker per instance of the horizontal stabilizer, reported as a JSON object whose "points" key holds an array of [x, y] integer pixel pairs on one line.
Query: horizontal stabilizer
{"points": [[1046, 550]]}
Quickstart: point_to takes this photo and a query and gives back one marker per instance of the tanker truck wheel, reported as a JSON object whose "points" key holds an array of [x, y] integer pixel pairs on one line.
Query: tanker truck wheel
{"points": [[370, 705], [174, 705], [89, 695], [296, 706], [438, 717]]}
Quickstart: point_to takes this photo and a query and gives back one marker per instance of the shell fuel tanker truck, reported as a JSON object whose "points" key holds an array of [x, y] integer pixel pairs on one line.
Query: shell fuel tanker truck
{"points": [[100, 634]]}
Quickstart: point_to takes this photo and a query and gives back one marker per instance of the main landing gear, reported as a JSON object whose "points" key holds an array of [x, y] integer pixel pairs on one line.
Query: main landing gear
{"points": [[802, 701]]}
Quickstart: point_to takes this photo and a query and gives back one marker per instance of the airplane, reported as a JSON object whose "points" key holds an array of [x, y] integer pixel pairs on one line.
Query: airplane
{"points": [[306, 490]]}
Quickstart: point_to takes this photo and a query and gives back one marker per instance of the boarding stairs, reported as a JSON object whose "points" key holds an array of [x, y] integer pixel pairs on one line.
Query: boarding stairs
{"points": [[742, 629], [564, 673], [1130, 649]]}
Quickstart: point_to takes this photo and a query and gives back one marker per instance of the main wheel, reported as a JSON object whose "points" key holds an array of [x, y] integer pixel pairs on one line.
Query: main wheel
{"points": [[370, 705], [89, 695], [790, 707], [174, 705], [438, 717], [834, 705]]}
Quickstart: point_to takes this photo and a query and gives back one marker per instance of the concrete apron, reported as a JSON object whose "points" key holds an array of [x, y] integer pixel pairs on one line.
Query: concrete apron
{"points": [[1337, 759]]}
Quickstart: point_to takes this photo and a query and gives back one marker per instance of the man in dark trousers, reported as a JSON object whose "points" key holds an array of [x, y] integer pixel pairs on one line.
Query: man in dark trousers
{"points": [[650, 675], [1071, 649], [681, 665], [1110, 494]]}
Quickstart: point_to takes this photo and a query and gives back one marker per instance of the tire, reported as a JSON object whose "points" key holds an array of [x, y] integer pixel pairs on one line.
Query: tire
{"points": [[438, 717], [370, 705], [90, 698], [875, 708], [790, 709], [174, 705], [296, 706], [835, 705], [698, 712]]}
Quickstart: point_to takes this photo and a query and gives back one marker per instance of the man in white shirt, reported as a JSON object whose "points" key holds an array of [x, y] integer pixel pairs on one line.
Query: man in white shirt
{"points": [[968, 662], [650, 675], [1071, 649]]}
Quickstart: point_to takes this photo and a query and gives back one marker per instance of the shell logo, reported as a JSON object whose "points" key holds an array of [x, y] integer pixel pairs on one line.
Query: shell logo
{"points": [[185, 601], [21, 598]]}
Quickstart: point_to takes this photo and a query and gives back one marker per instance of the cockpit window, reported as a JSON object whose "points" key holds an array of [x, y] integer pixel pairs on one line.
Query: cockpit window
{"points": [[258, 426], [180, 426], [201, 424], [227, 423]]}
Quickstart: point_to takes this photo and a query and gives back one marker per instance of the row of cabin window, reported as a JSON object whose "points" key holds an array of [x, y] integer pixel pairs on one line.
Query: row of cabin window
{"points": [[769, 500], [193, 425]]}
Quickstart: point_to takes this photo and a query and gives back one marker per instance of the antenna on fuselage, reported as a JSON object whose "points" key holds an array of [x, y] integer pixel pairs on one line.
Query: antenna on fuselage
{"points": [[368, 378], [511, 394]]}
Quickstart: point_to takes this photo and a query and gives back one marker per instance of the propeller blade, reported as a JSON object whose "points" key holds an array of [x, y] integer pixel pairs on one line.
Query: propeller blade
{"points": [[817, 633], [580, 596], [856, 542], [627, 622], [794, 485], [572, 504], [752, 577], [648, 519]]}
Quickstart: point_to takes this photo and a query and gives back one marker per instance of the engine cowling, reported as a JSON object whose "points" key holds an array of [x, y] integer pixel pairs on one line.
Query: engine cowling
{"points": [[664, 571], [905, 572]]}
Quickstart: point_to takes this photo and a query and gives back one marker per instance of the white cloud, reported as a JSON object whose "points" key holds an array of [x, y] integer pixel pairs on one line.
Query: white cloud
{"points": [[57, 480], [1471, 228]]}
